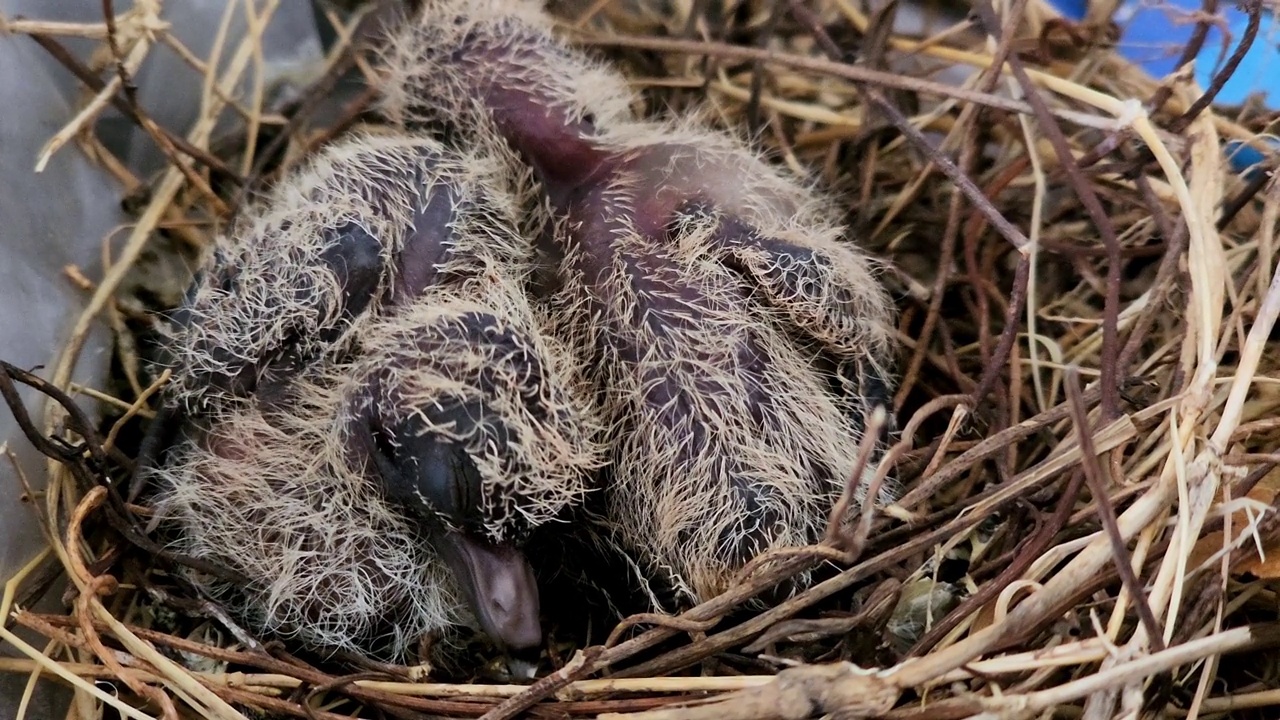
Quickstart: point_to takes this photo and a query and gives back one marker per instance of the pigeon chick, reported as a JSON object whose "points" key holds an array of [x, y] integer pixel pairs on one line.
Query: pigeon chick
{"points": [[736, 341], [372, 420]]}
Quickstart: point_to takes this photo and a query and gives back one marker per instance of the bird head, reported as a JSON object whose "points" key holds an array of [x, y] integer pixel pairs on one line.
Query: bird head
{"points": [[465, 420]]}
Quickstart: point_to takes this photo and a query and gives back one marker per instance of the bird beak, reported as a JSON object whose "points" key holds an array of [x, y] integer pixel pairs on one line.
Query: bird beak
{"points": [[499, 585]]}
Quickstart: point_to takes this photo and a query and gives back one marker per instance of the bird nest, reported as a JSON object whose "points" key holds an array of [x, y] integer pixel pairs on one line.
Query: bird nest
{"points": [[1085, 420]]}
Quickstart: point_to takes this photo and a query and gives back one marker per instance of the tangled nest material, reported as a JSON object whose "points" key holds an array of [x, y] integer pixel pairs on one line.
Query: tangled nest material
{"points": [[1086, 412]]}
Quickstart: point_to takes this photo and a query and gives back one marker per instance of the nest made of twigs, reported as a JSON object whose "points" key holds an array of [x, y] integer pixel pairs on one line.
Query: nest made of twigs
{"points": [[1086, 411]]}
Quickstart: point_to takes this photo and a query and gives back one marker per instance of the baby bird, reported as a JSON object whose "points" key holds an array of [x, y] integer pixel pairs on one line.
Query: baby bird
{"points": [[737, 344], [326, 559], [373, 222], [374, 421]]}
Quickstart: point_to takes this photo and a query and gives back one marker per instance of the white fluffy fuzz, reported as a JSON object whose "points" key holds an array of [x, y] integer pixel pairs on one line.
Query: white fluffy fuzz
{"points": [[275, 363], [273, 497], [736, 340]]}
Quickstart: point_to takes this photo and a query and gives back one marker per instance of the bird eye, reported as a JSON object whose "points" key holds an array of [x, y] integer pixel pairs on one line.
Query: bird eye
{"points": [[430, 476]]}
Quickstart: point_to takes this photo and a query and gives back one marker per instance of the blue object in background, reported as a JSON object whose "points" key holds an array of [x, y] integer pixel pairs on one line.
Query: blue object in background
{"points": [[1072, 9], [1153, 33], [1245, 158]]}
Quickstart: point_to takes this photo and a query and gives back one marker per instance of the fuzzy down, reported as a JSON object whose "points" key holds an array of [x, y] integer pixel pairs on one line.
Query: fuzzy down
{"points": [[272, 497], [737, 341], [267, 296], [282, 352]]}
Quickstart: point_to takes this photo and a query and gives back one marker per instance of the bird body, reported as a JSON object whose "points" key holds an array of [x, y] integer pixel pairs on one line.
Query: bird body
{"points": [[374, 419], [373, 222], [736, 344], [269, 496], [379, 381]]}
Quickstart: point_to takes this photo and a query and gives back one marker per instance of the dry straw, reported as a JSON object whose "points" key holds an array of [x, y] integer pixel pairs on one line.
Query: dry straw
{"points": [[1087, 410]]}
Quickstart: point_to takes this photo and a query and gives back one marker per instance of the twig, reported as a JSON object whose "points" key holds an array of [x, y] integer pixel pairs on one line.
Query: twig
{"points": [[827, 67], [1031, 551], [91, 81], [841, 689], [73, 458], [1254, 10], [666, 621], [1089, 199], [1007, 229], [1106, 513], [834, 535], [1009, 335], [989, 447], [933, 313], [1204, 20], [316, 94]]}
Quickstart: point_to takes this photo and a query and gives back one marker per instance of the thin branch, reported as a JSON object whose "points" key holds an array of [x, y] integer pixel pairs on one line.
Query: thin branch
{"points": [[1092, 206], [1106, 512], [91, 81]]}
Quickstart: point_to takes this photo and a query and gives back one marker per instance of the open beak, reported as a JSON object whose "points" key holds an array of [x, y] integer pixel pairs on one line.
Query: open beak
{"points": [[499, 586]]}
